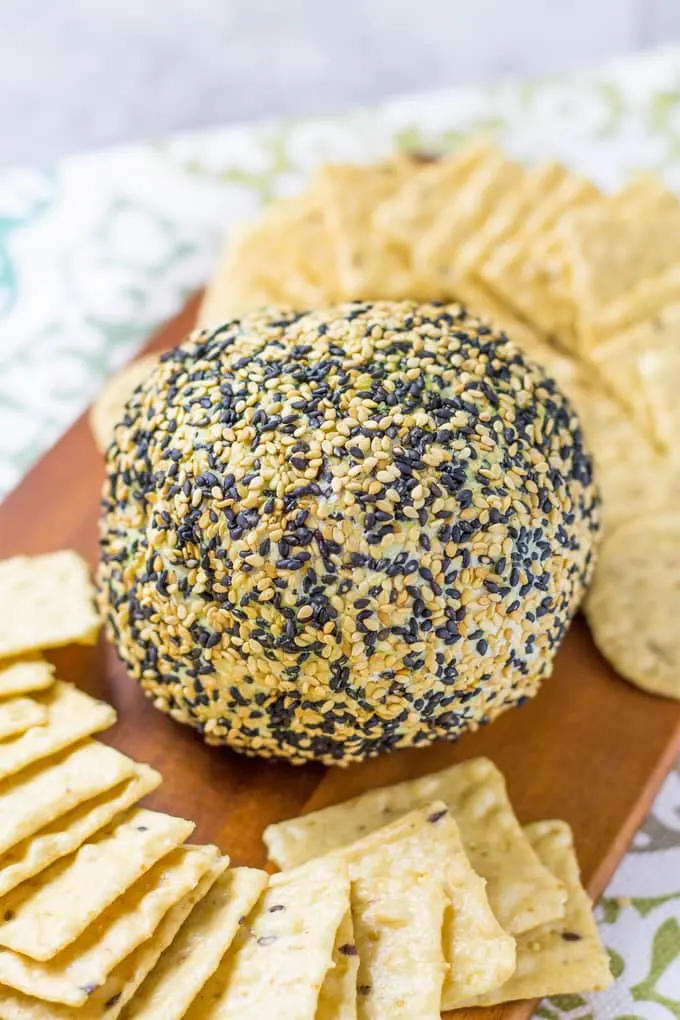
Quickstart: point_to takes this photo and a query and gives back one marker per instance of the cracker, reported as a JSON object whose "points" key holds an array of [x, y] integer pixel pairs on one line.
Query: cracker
{"points": [[419, 202], [338, 995], [398, 915], [572, 192], [510, 213], [74, 974], [617, 362], [659, 373], [195, 955], [610, 255], [642, 301], [565, 956], [48, 912], [522, 893], [25, 675], [71, 716], [61, 837], [428, 837], [46, 601], [633, 604], [644, 191], [285, 258], [19, 714], [110, 1000], [109, 407], [368, 266], [278, 961], [462, 219], [37, 795]]}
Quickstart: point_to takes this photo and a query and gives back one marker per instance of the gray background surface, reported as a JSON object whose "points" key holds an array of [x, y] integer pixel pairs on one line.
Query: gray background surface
{"points": [[76, 74]]}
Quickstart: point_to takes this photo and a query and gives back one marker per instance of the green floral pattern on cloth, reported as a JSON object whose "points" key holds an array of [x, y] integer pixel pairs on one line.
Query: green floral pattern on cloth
{"points": [[97, 251]]}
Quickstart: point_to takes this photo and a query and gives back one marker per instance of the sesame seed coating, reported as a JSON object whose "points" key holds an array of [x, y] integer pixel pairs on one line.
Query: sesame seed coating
{"points": [[334, 533]]}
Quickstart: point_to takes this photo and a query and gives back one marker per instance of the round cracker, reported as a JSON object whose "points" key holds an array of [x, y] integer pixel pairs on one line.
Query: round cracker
{"points": [[633, 605], [108, 408]]}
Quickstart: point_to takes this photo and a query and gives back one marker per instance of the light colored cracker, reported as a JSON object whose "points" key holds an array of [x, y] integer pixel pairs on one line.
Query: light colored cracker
{"points": [[19, 714], [398, 915], [617, 362], [46, 601], [37, 795], [565, 956], [507, 219], [195, 954], [429, 838], [338, 995], [48, 912], [659, 372], [522, 893], [72, 715], [25, 675], [644, 191], [73, 975], [109, 407], [61, 837], [645, 300], [610, 256], [462, 219], [418, 203], [572, 192], [367, 264], [109, 1001], [633, 603], [284, 258], [278, 962]]}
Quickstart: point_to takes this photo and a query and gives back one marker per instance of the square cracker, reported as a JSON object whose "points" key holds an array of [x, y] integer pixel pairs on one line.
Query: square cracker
{"points": [[19, 714], [521, 891], [613, 257], [278, 961], [25, 675], [412, 209], [48, 912], [49, 789], [460, 221], [481, 953], [338, 995], [285, 258], [367, 265], [561, 957], [71, 716], [507, 219], [195, 954], [109, 1001], [74, 974], [46, 601], [398, 916], [64, 835]]}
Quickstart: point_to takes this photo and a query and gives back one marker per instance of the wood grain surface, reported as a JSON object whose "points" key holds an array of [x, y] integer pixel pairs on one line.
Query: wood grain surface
{"points": [[589, 748]]}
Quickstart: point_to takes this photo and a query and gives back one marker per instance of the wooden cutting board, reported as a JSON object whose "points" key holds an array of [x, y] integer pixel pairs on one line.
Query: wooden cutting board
{"points": [[589, 748]]}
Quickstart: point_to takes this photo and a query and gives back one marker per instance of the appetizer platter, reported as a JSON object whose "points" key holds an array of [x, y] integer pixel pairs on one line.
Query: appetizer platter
{"points": [[340, 539]]}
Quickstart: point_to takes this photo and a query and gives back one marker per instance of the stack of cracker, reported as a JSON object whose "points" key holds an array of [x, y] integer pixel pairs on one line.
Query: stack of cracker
{"points": [[587, 283], [106, 912]]}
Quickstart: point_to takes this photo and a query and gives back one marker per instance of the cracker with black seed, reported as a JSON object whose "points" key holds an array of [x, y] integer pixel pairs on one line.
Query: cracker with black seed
{"points": [[46, 601], [634, 601], [71, 716], [48, 912], [279, 960], [194, 956], [522, 893], [65, 834], [74, 974], [41, 793], [481, 953], [110, 999], [338, 995], [562, 957]]}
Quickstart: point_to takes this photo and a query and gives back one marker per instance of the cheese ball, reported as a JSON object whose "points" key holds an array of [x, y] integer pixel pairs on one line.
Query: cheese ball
{"points": [[335, 533]]}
